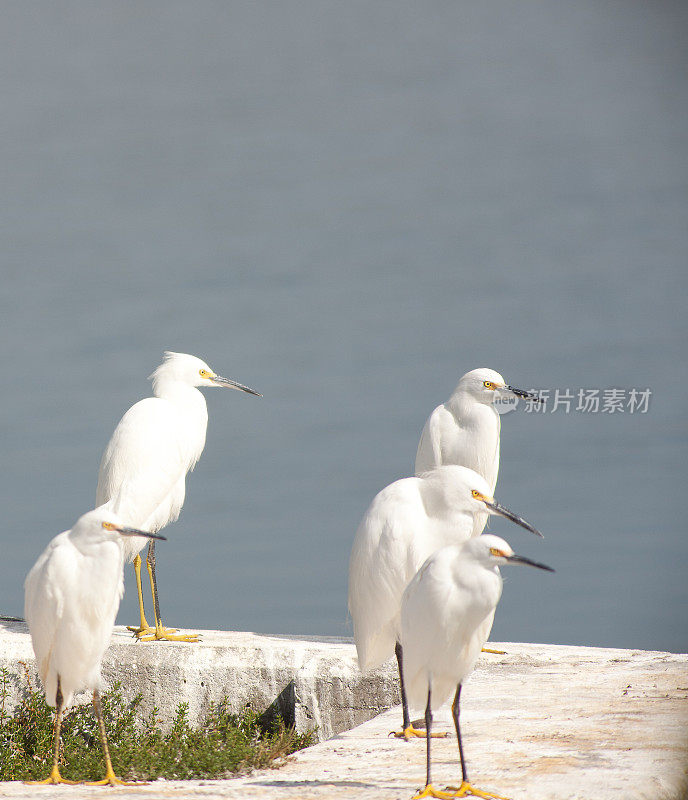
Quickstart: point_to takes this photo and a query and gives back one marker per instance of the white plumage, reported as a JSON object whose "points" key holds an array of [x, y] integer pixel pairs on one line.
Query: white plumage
{"points": [[446, 616], [447, 613], [72, 594], [406, 522], [71, 597], [143, 470], [465, 430]]}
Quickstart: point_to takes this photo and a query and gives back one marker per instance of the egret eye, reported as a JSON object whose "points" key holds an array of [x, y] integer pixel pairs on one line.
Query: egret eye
{"points": [[488, 384], [109, 526], [204, 373], [495, 552], [476, 494]]}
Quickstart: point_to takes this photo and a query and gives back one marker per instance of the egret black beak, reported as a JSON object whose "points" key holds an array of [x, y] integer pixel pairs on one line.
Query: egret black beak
{"points": [[137, 532], [220, 381], [523, 560], [502, 511], [522, 393]]}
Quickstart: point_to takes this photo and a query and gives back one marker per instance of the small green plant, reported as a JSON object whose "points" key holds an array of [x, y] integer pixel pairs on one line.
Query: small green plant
{"points": [[224, 745]]}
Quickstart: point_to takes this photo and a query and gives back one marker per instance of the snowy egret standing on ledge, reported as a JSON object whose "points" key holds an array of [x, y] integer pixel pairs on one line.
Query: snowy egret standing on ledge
{"points": [[142, 474], [446, 616], [465, 430], [406, 522], [72, 594]]}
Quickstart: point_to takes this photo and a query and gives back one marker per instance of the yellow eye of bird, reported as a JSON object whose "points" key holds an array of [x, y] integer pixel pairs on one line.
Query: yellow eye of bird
{"points": [[203, 373], [109, 526], [488, 384], [476, 494], [495, 552]]}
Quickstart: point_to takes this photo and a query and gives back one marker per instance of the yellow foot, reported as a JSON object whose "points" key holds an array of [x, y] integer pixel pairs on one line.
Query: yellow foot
{"points": [[430, 791], [466, 790], [411, 733], [161, 634], [110, 779], [485, 650], [54, 777], [113, 780], [142, 630]]}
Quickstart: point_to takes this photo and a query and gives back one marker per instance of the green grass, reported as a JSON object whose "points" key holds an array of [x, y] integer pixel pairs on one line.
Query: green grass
{"points": [[224, 745]]}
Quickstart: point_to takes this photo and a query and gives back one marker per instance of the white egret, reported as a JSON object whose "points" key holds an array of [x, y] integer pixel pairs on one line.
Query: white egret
{"points": [[72, 594], [142, 473], [406, 522], [446, 616], [465, 429]]}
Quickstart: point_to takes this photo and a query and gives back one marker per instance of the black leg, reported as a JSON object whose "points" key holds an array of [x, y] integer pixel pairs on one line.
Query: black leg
{"points": [[59, 700], [455, 714], [404, 702], [101, 728], [150, 559], [110, 778], [55, 776], [428, 725], [160, 632]]}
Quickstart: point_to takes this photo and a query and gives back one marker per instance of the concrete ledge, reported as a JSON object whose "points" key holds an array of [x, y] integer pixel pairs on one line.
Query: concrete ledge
{"points": [[542, 722], [315, 682]]}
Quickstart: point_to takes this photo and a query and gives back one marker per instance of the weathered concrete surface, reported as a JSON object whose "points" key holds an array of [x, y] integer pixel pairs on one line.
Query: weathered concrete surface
{"points": [[542, 723], [315, 681]]}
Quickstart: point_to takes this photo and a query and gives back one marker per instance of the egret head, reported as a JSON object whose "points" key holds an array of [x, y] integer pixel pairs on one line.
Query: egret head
{"points": [[481, 384], [471, 490], [491, 551], [192, 371], [464, 486], [103, 525]]}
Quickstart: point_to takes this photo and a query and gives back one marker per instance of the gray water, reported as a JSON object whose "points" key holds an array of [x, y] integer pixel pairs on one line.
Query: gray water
{"points": [[347, 206]]}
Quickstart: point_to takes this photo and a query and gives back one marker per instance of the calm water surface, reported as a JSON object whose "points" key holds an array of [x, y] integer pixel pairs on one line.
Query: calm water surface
{"points": [[347, 206]]}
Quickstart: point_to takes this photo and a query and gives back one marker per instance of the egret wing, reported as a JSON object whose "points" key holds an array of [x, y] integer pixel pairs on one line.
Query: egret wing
{"points": [[143, 464], [429, 453], [443, 629], [380, 567], [44, 600]]}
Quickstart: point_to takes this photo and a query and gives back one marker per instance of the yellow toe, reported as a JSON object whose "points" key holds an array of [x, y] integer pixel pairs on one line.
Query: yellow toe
{"points": [[53, 778], [162, 634], [111, 779], [414, 733], [466, 790], [430, 791], [141, 631]]}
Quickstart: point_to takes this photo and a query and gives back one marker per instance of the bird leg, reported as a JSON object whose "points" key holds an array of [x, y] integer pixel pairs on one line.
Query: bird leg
{"points": [[408, 731], [55, 776], [429, 790], [110, 778], [144, 628], [465, 790], [160, 633]]}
